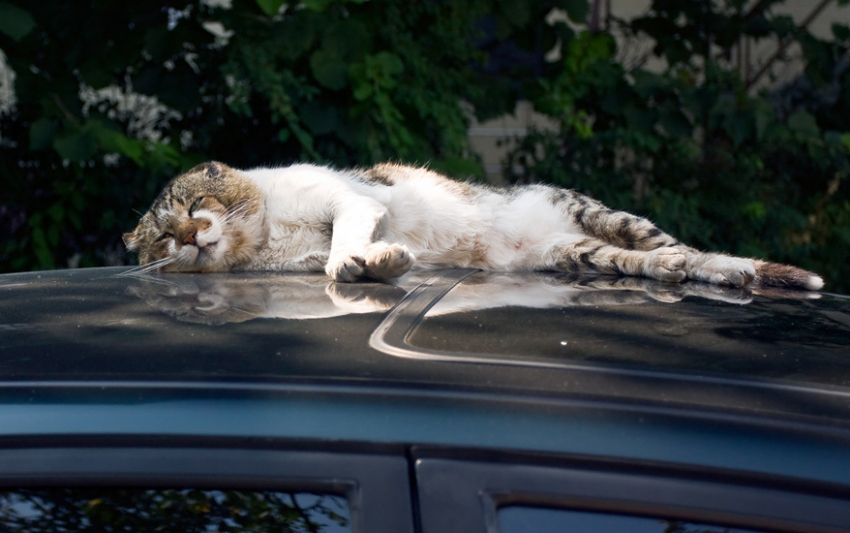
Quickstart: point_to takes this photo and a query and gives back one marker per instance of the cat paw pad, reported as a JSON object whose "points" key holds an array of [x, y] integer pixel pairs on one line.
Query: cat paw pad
{"points": [[346, 268], [731, 271], [665, 264], [385, 261]]}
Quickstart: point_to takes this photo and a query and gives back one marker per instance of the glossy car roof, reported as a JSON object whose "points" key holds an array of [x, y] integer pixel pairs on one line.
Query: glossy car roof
{"points": [[537, 334], [627, 368]]}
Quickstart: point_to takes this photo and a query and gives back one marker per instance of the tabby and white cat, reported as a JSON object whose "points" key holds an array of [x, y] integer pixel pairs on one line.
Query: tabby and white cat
{"points": [[379, 222]]}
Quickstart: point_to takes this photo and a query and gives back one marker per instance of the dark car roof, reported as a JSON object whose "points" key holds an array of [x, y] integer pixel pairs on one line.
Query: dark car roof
{"points": [[97, 324], [449, 357]]}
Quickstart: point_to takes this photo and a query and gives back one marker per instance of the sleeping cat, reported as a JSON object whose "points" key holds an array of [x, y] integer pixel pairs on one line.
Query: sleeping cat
{"points": [[380, 222]]}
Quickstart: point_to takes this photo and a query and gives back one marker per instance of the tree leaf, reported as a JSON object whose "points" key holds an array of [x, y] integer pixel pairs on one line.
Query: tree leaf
{"points": [[270, 7], [347, 39], [322, 5], [57, 212], [42, 133], [113, 141], [845, 140], [739, 127], [76, 147], [577, 10], [385, 67], [41, 249], [329, 70], [15, 22], [765, 119], [96, 74], [517, 12], [804, 123], [459, 168], [320, 119], [675, 123]]}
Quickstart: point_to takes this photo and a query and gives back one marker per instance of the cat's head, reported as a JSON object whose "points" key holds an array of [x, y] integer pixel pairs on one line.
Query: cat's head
{"points": [[209, 219]]}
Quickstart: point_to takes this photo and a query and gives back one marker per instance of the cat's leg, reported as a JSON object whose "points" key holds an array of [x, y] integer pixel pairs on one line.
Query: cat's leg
{"points": [[629, 231], [632, 232], [718, 269], [594, 255], [356, 248], [617, 228], [356, 220]]}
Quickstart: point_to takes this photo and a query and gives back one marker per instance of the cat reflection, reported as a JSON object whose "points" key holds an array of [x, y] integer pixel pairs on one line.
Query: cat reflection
{"points": [[215, 299]]}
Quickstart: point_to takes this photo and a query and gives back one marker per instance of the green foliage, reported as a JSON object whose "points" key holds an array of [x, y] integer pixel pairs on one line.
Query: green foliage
{"points": [[115, 98], [14, 21], [723, 168]]}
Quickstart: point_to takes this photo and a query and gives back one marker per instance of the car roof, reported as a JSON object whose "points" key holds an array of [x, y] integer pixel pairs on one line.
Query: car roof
{"points": [[535, 363], [521, 334]]}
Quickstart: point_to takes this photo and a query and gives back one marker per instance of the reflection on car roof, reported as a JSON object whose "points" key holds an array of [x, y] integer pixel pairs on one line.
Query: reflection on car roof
{"points": [[535, 333]]}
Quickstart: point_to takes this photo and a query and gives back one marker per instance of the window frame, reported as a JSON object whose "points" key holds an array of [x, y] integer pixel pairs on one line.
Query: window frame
{"points": [[376, 485], [463, 496]]}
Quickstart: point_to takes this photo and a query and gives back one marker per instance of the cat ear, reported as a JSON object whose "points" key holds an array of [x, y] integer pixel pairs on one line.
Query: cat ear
{"points": [[131, 241], [214, 169]]}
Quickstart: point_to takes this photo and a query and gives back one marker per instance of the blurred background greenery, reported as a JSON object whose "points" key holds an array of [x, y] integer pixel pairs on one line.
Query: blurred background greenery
{"points": [[102, 102]]}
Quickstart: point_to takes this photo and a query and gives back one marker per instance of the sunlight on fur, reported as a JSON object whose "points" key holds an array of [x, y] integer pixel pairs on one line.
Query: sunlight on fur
{"points": [[379, 223]]}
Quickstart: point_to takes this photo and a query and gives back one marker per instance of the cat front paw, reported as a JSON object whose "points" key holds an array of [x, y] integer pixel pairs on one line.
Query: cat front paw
{"points": [[346, 267], [387, 260], [665, 264]]}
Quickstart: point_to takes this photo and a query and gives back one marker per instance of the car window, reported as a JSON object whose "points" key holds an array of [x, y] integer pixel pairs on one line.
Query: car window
{"points": [[83, 510], [518, 519]]}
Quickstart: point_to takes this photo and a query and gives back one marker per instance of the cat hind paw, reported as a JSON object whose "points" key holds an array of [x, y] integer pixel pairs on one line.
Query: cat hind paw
{"points": [[665, 264], [729, 271]]}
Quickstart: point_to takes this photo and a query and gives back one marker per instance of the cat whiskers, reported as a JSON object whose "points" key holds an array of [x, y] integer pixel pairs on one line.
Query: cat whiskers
{"points": [[230, 216], [142, 271], [149, 278], [237, 210]]}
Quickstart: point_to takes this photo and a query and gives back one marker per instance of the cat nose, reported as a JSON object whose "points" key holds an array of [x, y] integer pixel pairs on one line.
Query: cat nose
{"points": [[189, 237]]}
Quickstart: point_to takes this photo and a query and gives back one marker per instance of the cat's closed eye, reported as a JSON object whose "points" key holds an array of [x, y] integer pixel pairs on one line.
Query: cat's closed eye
{"points": [[196, 205], [164, 236]]}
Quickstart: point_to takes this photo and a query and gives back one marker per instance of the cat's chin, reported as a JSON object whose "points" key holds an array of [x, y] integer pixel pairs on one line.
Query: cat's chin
{"points": [[212, 257], [208, 253], [209, 258]]}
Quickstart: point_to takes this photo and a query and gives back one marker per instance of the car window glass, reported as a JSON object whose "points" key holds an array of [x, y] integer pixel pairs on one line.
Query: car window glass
{"points": [[515, 519], [83, 510]]}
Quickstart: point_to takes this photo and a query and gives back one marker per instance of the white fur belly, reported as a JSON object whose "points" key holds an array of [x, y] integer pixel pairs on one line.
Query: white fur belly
{"points": [[496, 232]]}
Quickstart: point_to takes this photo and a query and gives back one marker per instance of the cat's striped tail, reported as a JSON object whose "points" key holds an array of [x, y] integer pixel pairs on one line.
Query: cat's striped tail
{"points": [[785, 276]]}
